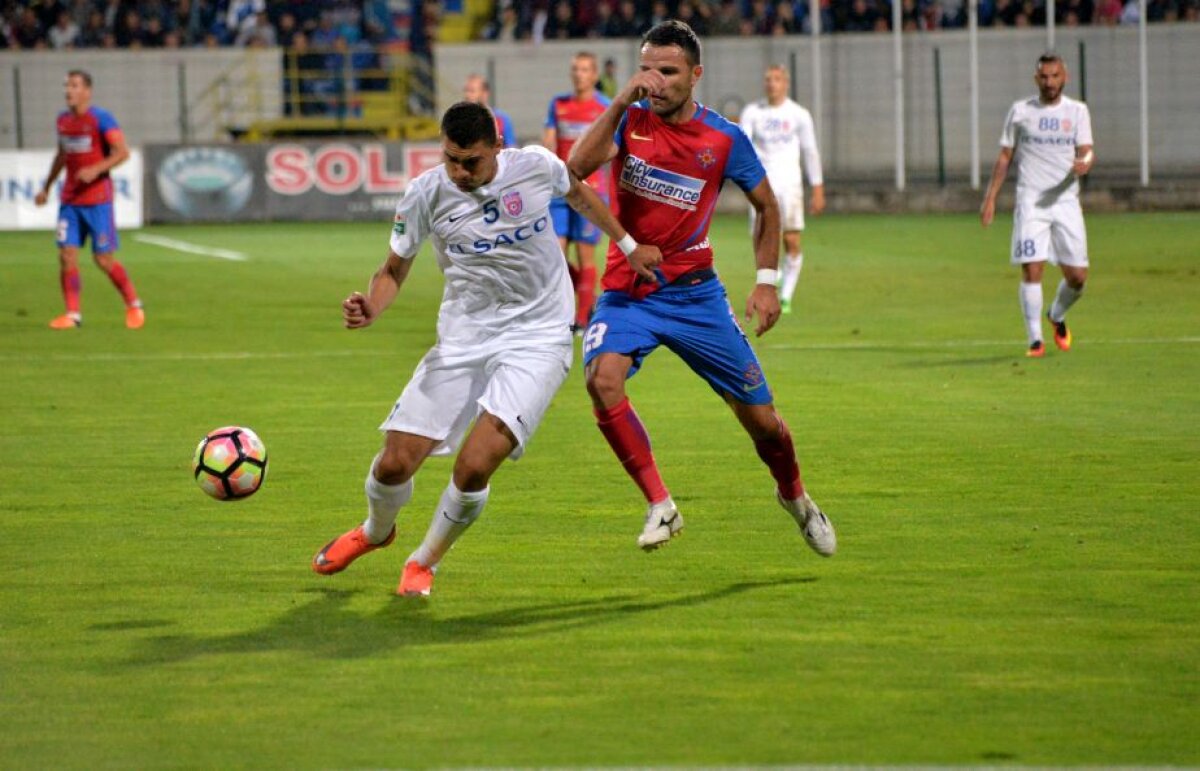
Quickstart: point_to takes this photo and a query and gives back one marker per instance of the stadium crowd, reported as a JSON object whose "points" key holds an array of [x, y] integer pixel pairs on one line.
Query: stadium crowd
{"points": [[63, 24]]}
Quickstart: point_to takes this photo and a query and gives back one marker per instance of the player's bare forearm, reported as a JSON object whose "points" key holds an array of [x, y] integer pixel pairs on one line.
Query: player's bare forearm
{"points": [[360, 311], [596, 147], [766, 225], [56, 167], [987, 211], [550, 139], [583, 199]]}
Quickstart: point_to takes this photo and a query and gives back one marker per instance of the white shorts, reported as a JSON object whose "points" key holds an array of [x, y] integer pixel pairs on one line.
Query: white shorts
{"points": [[452, 386], [791, 209], [1050, 234]]}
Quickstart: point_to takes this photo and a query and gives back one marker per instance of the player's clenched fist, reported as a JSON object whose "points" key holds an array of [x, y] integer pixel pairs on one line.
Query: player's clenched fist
{"points": [[642, 85], [357, 312]]}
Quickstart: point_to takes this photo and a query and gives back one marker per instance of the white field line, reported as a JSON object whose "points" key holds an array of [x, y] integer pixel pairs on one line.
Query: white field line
{"points": [[865, 346], [184, 246]]}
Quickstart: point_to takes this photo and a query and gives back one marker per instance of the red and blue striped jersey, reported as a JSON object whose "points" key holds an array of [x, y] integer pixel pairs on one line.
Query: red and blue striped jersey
{"points": [[85, 139], [667, 178], [570, 118]]}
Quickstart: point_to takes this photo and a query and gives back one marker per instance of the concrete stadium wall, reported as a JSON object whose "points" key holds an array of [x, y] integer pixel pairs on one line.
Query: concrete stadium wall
{"points": [[857, 85], [143, 90]]}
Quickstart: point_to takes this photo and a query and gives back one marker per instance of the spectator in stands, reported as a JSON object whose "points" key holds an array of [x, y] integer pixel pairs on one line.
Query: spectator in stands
{"points": [[92, 34], [726, 22], [128, 31], [658, 14], [154, 35], [561, 24], [1108, 12], [686, 12], [65, 32], [27, 32], [239, 13], [861, 17], [286, 29], [628, 23], [256, 32], [785, 22], [506, 27]]}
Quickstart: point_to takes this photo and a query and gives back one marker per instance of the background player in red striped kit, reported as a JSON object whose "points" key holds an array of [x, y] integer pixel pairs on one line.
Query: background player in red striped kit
{"points": [[568, 116], [90, 145], [669, 157]]}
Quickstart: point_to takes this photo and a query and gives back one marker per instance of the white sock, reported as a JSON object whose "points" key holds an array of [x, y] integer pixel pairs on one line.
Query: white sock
{"points": [[1064, 298], [383, 503], [456, 512], [1031, 307], [791, 275]]}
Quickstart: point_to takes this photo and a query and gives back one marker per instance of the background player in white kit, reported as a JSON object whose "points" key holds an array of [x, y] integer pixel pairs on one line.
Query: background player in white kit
{"points": [[1050, 135], [504, 341], [781, 132]]}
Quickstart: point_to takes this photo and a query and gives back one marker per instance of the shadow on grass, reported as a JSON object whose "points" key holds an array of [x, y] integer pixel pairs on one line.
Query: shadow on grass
{"points": [[326, 627]]}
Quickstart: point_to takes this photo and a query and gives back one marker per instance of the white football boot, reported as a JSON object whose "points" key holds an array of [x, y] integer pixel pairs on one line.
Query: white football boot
{"points": [[814, 525], [663, 522]]}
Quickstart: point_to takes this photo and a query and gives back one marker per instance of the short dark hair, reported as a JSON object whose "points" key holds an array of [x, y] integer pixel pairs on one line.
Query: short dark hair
{"points": [[82, 75], [466, 123], [675, 33], [1049, 58]]}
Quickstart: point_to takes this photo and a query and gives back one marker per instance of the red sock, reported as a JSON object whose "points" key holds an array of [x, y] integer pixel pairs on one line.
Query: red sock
{"points": [[585, 295], [780, 456], [121, 281], [628, 439], [69, 278]]}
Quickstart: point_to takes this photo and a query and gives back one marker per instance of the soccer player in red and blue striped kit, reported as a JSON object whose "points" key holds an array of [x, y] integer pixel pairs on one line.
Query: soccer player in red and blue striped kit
{"points": [[90, 145], [670, 156]]}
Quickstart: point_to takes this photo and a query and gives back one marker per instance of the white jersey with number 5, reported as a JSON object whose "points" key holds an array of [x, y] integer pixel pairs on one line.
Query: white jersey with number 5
{"points": [[781, 134], [504, 271], [1044, 138]]}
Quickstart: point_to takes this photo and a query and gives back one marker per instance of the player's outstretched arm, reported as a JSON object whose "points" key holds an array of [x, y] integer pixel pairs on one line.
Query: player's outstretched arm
{"points": [[642, 257], [360, 311], [987, 211], [764, 298], [56, 167]]}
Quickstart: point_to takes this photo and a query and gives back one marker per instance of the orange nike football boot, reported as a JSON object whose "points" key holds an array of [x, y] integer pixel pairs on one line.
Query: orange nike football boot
{"points": [[134, 318], [66, 321], [341, 551], [1036, 350], [1062, 335], [417, 580]]}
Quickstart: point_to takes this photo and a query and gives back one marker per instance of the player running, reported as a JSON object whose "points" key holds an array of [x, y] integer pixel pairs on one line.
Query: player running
{"points": [[781, 131], [670, 156], [569, 116], [504, 341], [477, 90], [90, 145], [1050, 136]]}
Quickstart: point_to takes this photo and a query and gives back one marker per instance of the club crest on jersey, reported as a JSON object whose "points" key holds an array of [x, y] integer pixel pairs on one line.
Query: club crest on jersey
{"points": [[660, 185], [1066, 124], [513, 203], [706, 158], [399, 224]]}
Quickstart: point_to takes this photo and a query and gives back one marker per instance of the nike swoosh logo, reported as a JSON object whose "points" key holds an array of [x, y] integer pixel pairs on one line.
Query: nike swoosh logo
{"points": [[635, 135], [749, 388], [446, 514], [455, 219]]}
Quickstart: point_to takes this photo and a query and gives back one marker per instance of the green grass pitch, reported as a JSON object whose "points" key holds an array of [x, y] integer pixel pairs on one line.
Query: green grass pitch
{"points": [[1019, 552]]}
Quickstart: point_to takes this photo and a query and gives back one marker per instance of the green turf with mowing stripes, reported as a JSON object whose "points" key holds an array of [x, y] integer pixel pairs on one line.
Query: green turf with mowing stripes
{"points": [[1016, 581]]}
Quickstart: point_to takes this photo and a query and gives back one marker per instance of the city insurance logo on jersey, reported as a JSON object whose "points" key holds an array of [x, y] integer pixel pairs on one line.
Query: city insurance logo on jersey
{"points": [[660, 185]]}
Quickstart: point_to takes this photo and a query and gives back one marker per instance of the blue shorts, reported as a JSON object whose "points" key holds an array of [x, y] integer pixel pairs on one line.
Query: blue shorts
{"points": [[76, 223], [572, 225], [696, 322]]}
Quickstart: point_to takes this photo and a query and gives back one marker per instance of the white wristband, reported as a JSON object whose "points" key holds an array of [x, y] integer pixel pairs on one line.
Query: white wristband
{"points": [[767, 276], [627, 245], [1087, 157]]}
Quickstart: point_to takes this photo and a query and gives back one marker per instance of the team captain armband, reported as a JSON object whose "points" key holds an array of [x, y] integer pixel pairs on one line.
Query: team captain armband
{"points": [[767, 276]]}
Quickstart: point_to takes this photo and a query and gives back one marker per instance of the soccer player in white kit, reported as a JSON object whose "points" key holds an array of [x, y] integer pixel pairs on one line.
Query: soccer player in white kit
{"points": [[504, 342], [782, 131], [1050, 135]]}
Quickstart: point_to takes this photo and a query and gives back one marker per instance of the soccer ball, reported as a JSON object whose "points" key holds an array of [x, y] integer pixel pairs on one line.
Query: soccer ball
{"points": [[230, 463]]}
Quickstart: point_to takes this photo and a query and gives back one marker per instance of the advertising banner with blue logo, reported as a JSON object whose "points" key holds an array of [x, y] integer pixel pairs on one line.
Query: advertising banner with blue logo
{"points": [[22, 173], [337, 180]]}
